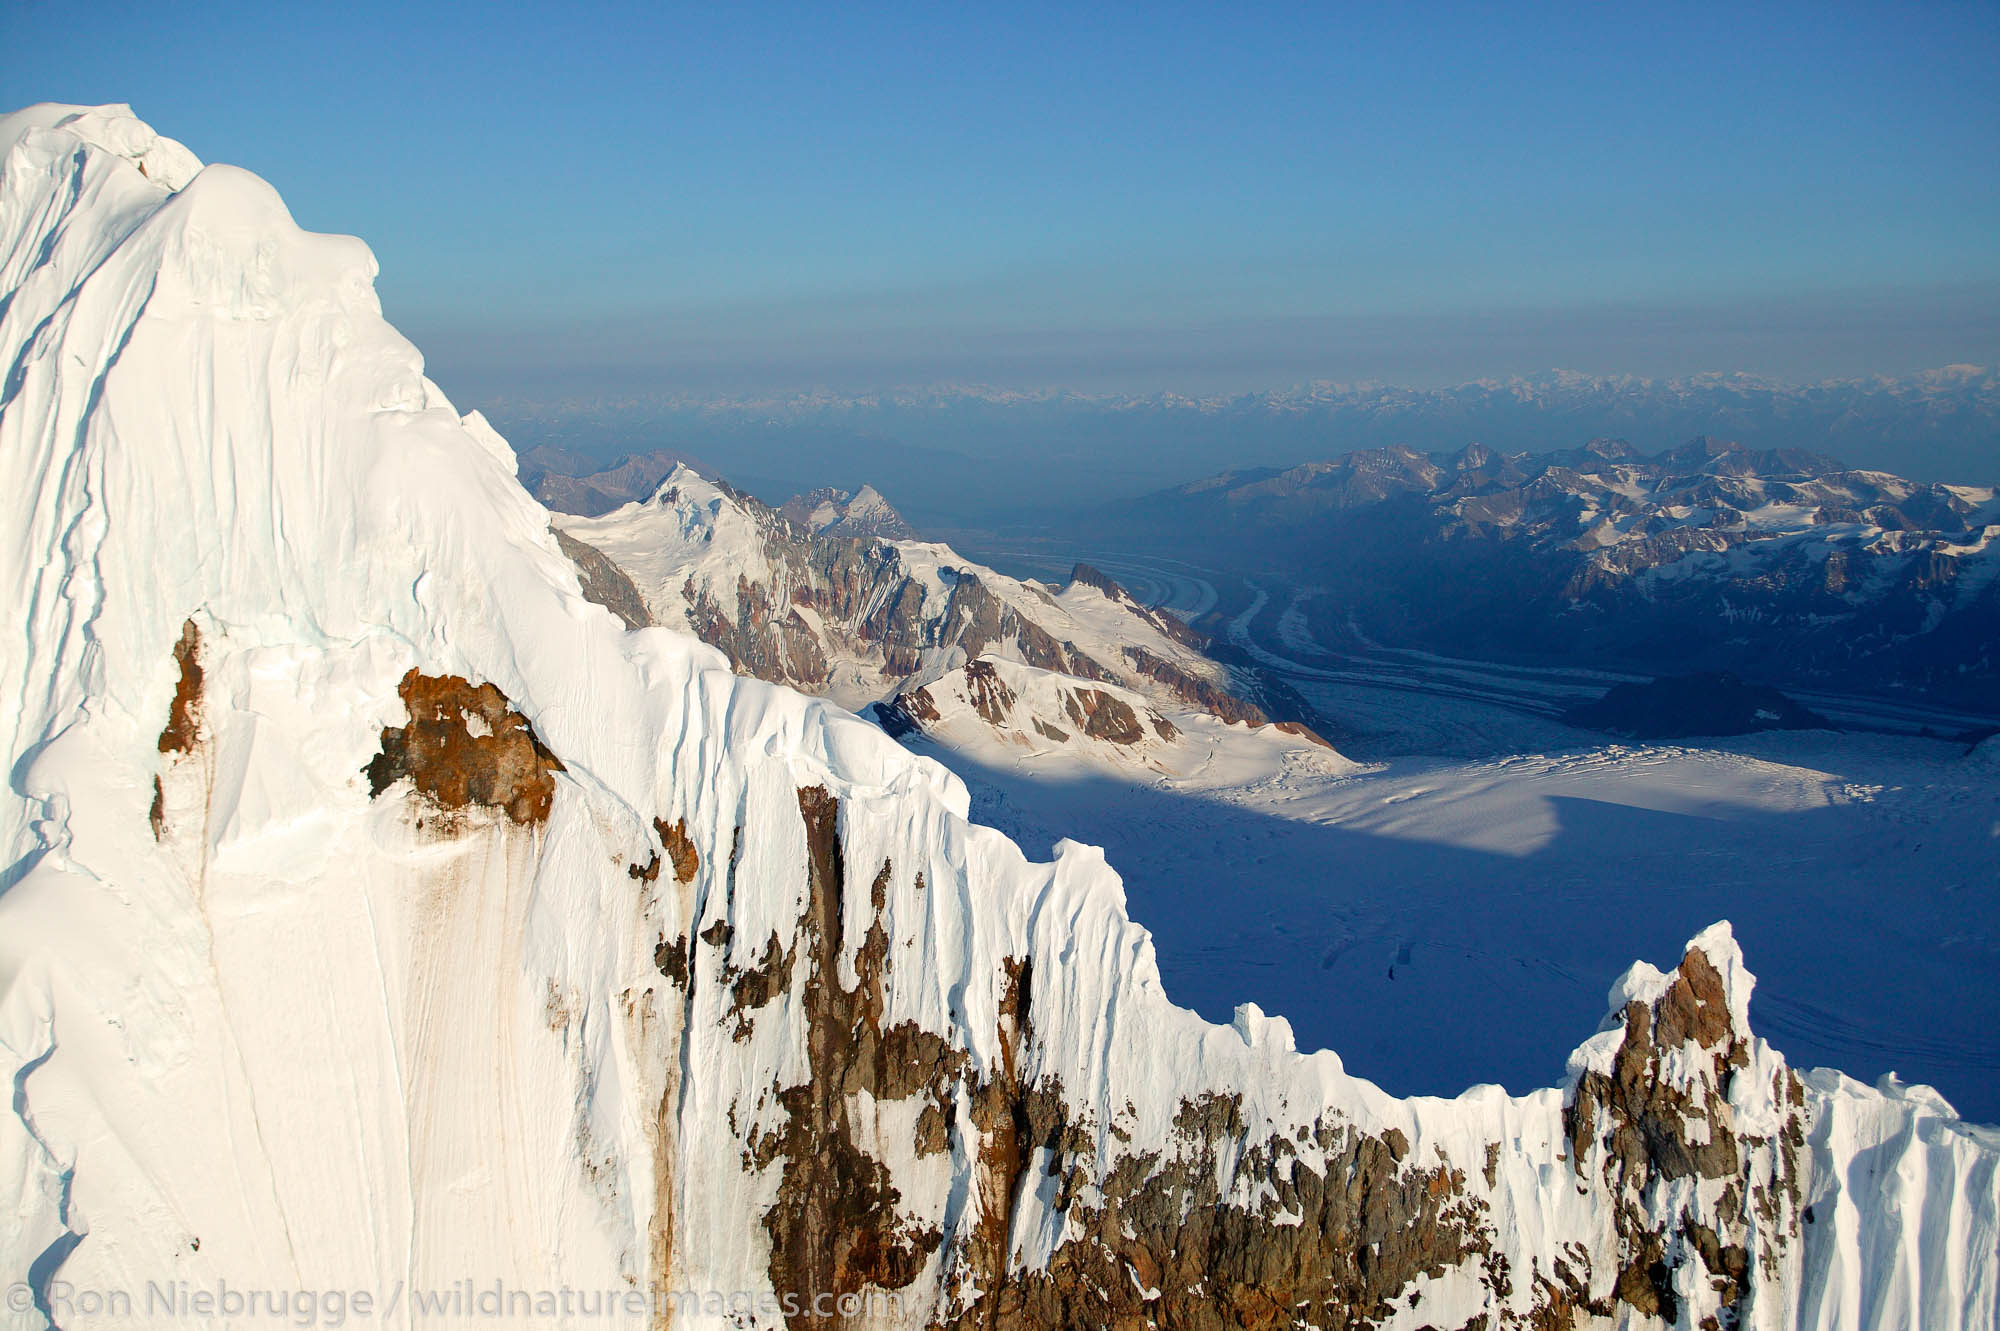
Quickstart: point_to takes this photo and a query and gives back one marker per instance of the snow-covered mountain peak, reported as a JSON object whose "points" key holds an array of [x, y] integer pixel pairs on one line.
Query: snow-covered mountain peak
{"points": [[113, 129], [682, 477], [380, 914], [863, 513], [862, 617]]}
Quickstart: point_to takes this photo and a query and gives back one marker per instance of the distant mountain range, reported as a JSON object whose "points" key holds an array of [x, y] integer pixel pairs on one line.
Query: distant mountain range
{"points": [[1780, 564], [967, 456]]}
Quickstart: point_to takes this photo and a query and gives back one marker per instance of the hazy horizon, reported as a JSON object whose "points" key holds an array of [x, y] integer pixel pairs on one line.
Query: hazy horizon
{"points": [[973, 456], [629, 199]]}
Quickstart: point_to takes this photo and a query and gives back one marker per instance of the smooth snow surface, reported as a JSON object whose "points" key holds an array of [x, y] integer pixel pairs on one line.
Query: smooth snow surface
{"points": [[300, 1037], [1860, 872]]}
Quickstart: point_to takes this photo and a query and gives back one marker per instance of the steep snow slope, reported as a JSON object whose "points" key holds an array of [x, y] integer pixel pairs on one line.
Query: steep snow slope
{"points": [[380, 914]]}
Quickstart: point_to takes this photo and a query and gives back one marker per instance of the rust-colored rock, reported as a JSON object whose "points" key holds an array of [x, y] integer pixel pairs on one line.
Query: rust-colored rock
{"points": [[465, 745], [835, 1227], [1695, 1006], [1101, 716], [671, 960], [184, 714], [1656, 1129], [991, 697], [680, 848]]}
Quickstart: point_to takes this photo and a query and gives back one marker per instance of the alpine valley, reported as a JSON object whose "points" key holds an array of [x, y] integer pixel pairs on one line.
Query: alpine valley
{"points": [[402, 897], [1709, 556]]}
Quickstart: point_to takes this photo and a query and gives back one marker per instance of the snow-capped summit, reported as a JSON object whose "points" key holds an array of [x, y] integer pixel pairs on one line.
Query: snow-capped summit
{"points": [[863, 513], [861, 618], [382, 916]]}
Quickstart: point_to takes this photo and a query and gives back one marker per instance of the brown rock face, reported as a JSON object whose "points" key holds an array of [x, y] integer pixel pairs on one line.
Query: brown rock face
{"points": [[1203, 693], [768, 641], [1101, 716], [466, 745], [1224, 1218], [184, 715], [603, 582], [1345, 1220], [1653, 1128], [1165, 1249], [183, 729], [835, 1227], [680, 848], [992, 699]]}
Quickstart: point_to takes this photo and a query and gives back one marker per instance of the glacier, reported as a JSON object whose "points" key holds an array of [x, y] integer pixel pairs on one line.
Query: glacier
{"points": [[380, 914]]}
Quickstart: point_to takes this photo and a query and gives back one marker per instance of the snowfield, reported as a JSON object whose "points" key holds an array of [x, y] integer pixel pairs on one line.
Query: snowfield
{"points": [[379, 914], [1482, 901]]}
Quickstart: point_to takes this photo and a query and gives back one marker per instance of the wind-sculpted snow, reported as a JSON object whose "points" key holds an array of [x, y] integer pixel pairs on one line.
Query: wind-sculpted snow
{"points": [[380, 914]]}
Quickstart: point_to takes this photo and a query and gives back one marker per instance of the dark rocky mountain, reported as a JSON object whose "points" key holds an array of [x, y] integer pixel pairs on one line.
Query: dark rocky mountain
{"points": [[1682, 706], [1778, 563]]}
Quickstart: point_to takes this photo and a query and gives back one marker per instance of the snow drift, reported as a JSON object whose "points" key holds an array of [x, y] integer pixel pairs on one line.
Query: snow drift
{"points": [[379, 915]]}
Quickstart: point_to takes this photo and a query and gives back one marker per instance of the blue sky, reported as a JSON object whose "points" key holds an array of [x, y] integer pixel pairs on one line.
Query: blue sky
{"points": [[619, 197]]}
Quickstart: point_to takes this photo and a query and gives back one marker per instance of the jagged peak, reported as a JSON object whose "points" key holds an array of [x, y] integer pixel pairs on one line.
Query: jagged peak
{"points": [[862, 514]]}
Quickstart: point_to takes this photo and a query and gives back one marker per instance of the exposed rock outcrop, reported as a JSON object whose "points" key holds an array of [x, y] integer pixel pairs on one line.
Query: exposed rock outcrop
{"points": [[603, 582], [1676, 707], [1023, 1190], [466, 745]]}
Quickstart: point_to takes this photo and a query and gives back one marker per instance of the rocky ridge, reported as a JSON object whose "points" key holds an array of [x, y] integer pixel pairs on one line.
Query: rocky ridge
{"points": [[811, 600]]}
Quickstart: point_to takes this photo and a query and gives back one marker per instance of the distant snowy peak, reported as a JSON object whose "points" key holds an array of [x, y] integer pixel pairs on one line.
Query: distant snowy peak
{"points": [[861, 618], [1608, 472], [863, 514], [1704, 557]]}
